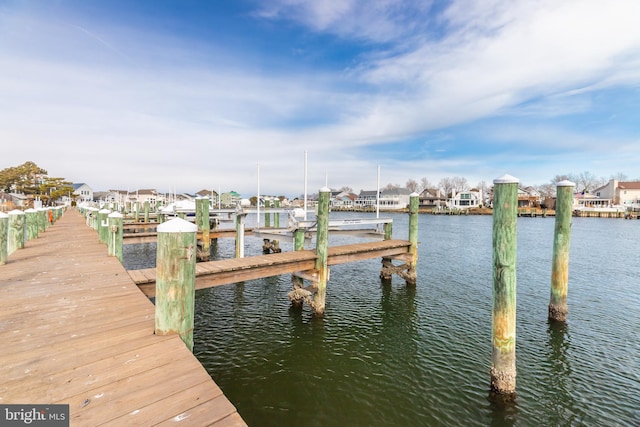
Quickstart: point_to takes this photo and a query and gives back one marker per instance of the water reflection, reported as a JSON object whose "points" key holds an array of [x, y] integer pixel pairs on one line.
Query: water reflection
{"points": [[558, 401]]}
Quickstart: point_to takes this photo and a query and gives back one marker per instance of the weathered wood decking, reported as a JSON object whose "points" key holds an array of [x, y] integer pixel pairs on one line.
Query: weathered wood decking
{"points": [[76, 330], [221, 272]]}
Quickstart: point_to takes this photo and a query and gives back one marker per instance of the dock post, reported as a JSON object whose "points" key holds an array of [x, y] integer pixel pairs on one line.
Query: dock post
{"points": [[322, 253], [103, 226], [4, 236], [115, 234], [267, 217], [276, 215], [503, 331], [15, 238], [202, 221], [176, 279], [560, 263], [136, 213], [31, 220], [42, 220], [240, 219], [414, 200], [146, 211]]}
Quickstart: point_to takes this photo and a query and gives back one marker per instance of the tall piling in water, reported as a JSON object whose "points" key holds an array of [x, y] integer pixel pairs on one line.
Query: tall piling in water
{"points": [[503, 330], [322, 250], [203, 222], [558, 308], [412, 276], [176, 279]]}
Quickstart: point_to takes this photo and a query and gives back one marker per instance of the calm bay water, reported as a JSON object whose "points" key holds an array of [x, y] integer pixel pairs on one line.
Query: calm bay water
{"points": [[389, 355]]}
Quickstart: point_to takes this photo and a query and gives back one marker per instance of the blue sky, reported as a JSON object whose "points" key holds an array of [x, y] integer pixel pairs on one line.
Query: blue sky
{"points": [[186, 95]]}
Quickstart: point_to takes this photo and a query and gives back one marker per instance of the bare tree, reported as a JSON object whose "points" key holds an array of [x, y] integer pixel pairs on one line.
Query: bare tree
{"points": [[346, 189], [424, 184], [390, 186], [588, 182], [446, 186], [620, 176], [460, 184], [413, 186]]}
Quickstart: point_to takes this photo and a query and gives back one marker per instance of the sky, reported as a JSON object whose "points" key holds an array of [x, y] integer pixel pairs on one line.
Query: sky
{"points": [[234, 95]]}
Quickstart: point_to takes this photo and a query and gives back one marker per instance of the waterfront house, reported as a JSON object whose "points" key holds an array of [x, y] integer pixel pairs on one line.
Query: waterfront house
{"points": [[466, 199], [83, 192], [432, 198], [343, 199], [394, 198], [528, 197], [366, 199], [230, 199], [624, 193]]}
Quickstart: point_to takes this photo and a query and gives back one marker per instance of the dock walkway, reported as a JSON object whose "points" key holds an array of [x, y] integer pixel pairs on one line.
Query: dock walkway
{"points": [[76, 330]]}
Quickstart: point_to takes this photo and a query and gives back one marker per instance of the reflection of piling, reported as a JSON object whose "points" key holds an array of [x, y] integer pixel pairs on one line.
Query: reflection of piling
{"points": [[503, 339], [560, 264], [175, 279]]}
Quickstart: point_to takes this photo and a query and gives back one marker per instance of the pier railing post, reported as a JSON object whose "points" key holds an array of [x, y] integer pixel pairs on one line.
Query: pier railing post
{"points": [[503, 333], [175, 279], [115, 234], [561, 240], [16, 231], [414, 200], [202, 220], [4, 238], [322, 250]]}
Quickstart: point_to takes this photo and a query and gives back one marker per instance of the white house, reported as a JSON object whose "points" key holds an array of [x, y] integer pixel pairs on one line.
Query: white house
{"points": [[394, 199], [466, 199], [83, 192], [625, 193]]}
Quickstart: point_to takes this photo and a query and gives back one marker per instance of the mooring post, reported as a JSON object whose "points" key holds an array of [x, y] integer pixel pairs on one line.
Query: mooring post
{"points": [[136, 213], [412, 276], [146, 211], [115, 234], [42, 220], [276, 215], [16, 231], [202, 221], [322, 250], [503, 332], [558, 308], [267, 217], [298, 245], [4, 238], [31, 220], [103, 225], [176, 279], [240, 219]]}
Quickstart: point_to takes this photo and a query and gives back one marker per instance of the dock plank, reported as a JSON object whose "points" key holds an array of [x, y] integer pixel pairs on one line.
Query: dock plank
{"points": [[76, 329]]}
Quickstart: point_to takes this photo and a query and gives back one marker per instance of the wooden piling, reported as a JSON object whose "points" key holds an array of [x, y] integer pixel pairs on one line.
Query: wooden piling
{"points": [[322, 245], [240, 219], [4, 236], [103, 225], [175, 279], [412, 276], [42, 220], [15, 239], [298, 245], [202, 221], [115, 234], [558, 308], [146, 211], [503, 336], [276, 215]]}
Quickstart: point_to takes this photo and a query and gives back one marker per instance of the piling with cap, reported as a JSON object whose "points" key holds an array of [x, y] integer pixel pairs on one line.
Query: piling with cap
{"points": [[103, 225], [115, 220], [15, 239], [4, 236], [175, 279], [203, 222], [558, 308], [503, 331]]}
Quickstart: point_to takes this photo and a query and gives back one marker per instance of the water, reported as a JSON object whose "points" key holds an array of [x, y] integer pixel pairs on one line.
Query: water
{"points": [[388, 355]]}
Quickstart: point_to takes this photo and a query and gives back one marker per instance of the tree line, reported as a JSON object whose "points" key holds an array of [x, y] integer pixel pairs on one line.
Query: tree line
{"points": [[585, 182], [31, 180]]}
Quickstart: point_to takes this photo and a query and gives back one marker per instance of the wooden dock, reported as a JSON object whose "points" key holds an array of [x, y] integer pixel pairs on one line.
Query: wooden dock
{"points": [[76, 330], [221, 272]]}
